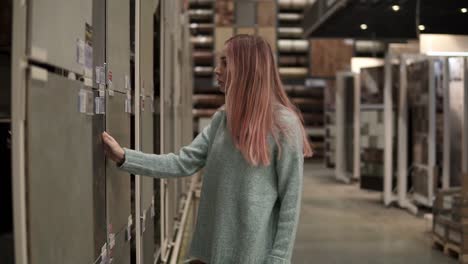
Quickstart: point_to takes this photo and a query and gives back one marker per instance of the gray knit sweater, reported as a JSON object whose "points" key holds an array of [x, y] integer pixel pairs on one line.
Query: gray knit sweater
{"points": [[247, 214]]}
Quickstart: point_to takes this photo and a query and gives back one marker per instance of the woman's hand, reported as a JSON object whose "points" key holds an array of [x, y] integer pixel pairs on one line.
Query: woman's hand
{"points": [[112, 149]]}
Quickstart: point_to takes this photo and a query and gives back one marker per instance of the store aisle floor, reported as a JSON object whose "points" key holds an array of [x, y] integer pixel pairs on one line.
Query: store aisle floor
{"points": [[343, 224]]}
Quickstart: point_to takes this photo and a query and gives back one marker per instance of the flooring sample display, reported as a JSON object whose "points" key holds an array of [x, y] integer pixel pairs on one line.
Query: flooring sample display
{"points": [[266, 13], [117, 181], [61, 49], [269, 34], [456, 93], [372, 85], [66, 203], [222, 34], [245, 13], [329, 56]]}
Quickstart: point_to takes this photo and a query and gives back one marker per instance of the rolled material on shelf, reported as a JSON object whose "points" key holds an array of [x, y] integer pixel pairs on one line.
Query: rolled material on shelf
{"points": [[194, 3], [294, 4], [203, 70], [291, 60], [293, 45], [290, 17], [293, 71], [201, 28], [208, 100], [203, 57], [301, 90], [290, 32], [201, 14], [205, 85], [308, 104], [197, 113], [202, 41], [313, 119]]}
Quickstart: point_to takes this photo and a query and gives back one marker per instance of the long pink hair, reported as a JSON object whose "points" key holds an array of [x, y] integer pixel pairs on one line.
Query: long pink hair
{"points": [[253, 86]]}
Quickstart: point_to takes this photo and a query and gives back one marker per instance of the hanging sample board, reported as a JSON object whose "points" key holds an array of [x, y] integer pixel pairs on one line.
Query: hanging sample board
{"points": [[372, 128], [61, 184], [147, 192], [145, 131], [118, 188], [60, 33], [425, 89], [347, 83], [118, 45], [454, 114]]}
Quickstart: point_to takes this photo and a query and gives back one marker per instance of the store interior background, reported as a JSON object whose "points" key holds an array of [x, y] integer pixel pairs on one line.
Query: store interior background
{"points": [[382, 86]]}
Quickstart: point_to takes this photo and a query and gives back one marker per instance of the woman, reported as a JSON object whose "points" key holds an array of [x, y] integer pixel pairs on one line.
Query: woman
{"points": [[253, 154]]}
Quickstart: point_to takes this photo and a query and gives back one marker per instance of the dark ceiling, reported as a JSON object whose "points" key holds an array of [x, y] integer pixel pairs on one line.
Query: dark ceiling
{"points": [[343, 18]]}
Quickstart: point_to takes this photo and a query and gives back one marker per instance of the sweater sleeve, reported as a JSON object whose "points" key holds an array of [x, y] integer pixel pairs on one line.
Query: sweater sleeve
{"points": [[189, 160], [289, 169]]}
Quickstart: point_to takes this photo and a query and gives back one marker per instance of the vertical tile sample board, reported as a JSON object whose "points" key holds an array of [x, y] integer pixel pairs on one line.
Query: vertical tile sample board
{"points": [[118, 189], [65, 204], [57, 32], [118, 45], [147, 184]]}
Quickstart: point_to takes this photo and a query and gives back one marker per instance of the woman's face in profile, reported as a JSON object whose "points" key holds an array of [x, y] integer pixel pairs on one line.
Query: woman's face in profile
{"points": [[220, 71]]}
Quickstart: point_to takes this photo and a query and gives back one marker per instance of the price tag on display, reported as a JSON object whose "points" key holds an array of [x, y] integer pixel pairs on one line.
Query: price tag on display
{"points": [[111, 240], [99, 105], [129, 227], [127, 83], [80, 52], [143, 225], [104, 259], [128, 103]]}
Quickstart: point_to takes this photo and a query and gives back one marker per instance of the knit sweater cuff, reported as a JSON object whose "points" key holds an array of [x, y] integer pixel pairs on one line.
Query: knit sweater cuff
{"points": [[128, 156], [276, 260]]}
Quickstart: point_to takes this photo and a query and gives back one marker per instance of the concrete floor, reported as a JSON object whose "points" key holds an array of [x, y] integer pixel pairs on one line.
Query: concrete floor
{"points": [[343, 224]]}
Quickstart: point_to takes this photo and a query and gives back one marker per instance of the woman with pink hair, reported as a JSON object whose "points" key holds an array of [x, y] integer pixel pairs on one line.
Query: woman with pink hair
{"points": [[253, 154]]}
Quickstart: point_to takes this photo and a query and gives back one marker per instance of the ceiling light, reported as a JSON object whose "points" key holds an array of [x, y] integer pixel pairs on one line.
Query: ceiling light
{"points": [[395, 8], [363, 26], [422, 27], [464, 10]]}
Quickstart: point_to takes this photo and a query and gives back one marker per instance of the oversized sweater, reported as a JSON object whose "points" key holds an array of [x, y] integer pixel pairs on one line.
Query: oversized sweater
{"points": [[247, 214]]}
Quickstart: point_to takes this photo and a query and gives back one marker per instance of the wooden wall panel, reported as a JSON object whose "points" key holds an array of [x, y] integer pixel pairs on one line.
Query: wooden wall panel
{"points": [[246, 30], [328, 56], [269, 34], [266, 14], [222, 34]]}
